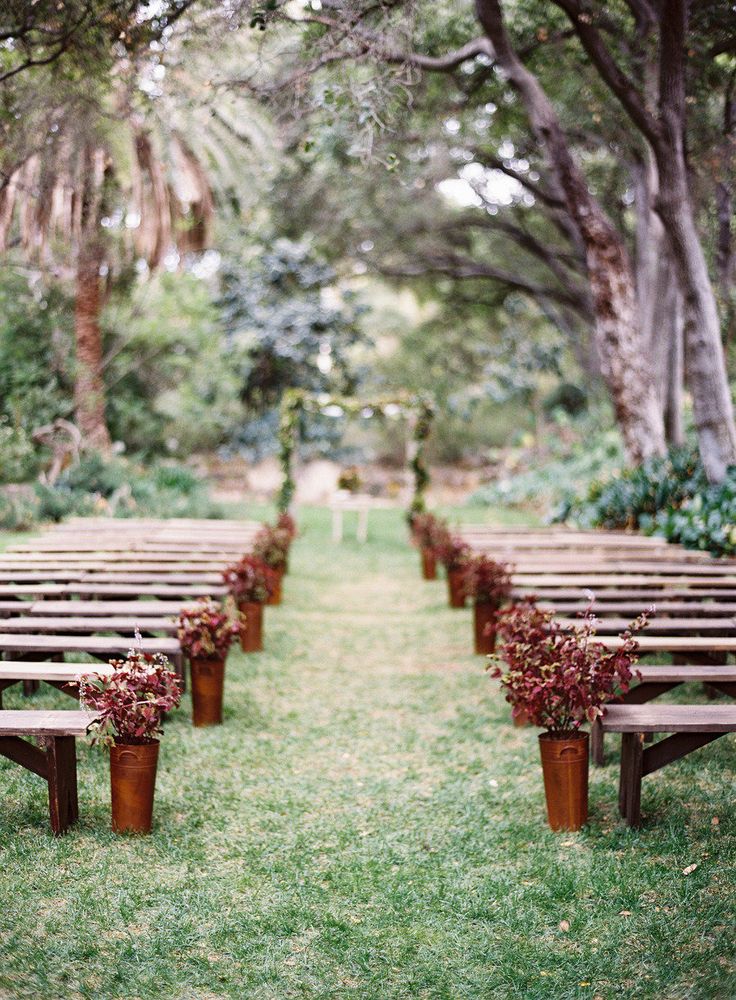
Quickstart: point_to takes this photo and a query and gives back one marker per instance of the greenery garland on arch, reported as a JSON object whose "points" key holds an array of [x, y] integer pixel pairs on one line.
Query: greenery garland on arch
{"points": [[296, 403]]}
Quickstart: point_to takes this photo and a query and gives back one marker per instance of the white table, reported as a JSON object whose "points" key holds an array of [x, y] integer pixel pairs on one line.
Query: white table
{"points": [[359, 503]]}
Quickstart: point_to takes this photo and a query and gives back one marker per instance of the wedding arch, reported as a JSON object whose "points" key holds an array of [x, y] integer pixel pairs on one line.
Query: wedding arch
{"points": [[298, 404]]}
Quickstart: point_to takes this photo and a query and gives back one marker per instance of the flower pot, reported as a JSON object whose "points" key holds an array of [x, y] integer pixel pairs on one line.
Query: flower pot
{"points": [[565, 770], [251, 631], [456, 588], [275, 597], [520, 720], [429, 564], [484, 627], [208, 681], [132, 784]]}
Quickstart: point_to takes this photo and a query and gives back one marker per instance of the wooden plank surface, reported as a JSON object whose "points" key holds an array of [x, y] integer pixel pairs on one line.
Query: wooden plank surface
{"points": [[676, 643], [21, 722], [94, 644], [665, 626], [139, 609], [656, 717], [87, 625], [685, 673], [61, 673]]}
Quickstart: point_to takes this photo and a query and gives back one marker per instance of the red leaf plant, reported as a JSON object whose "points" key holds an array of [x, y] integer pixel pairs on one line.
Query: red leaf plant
{"points": [[250, 580], [452, 552], [428, 531], [487, 581], [286, 522], [130, 702], [272, 546], [560, 677], [206, 630]]}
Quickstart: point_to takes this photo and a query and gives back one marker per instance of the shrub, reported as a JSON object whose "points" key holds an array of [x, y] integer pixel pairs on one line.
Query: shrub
{"points": [[19, 507], [206, 630], [250, 580], [559, 677], [19, 458], [487, 581], [632, 498], [130, 702]]}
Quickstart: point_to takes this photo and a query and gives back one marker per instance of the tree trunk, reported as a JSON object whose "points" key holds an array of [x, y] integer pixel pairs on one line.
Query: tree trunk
{"points": [[621, 350], [89, 389], [705, 367], [659, 301]]}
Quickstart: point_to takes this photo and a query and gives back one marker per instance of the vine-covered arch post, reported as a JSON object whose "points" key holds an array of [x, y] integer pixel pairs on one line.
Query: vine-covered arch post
{"points": [[296, 404]]}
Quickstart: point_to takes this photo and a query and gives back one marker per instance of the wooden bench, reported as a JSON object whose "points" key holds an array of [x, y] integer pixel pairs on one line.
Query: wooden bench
{"points": [[54, 760], [658, 680], [666, 626], [138, 609], [690, 726]]}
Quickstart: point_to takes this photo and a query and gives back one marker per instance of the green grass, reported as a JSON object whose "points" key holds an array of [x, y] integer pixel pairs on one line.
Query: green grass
{"points": [[368, 824]]}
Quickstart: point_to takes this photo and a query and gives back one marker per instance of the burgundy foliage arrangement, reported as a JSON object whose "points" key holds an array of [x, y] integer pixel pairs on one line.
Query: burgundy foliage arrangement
{"points": [[251, 580], [272, 545], [452, 552], [427, 530], [206, 630], [560, 677], [130, 702], [286, 522], [487, 581]]}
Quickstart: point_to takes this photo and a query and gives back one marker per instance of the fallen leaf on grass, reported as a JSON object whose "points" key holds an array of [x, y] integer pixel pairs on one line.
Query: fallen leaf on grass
{"points": [[565, 925], [689, 870], [715, 821], [624, 913]]}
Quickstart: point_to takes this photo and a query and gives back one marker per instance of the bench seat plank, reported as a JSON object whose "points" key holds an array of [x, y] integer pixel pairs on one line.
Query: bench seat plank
{"points": [[139, 609], [656, 717], [63, 722], [62, 673], [93, 644], [669, 626], [88, 625]]}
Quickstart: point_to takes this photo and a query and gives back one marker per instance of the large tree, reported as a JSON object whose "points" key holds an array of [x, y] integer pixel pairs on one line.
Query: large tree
{"points": [[609, 43]]}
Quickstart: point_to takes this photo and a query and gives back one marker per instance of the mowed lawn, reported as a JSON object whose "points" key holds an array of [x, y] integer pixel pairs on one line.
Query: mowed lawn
{"points": [[367, 823]]}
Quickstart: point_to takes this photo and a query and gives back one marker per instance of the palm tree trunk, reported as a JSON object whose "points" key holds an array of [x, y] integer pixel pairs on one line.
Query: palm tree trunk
{"points": [[89, 388]]}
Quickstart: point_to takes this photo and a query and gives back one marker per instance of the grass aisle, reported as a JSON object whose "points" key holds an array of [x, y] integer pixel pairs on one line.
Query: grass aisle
{"points": [[366, 824]]}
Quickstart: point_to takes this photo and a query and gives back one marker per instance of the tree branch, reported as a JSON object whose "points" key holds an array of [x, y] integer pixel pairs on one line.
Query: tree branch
{"points": [[611, 73]]}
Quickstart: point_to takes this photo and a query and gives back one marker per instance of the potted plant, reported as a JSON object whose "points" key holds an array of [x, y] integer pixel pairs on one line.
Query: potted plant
{"points": [[206, 632], [272, 546], [488, 585], [251, 582], [426, 531], [560, 678], [130, 703], [285, 522], [349, 480], [454, 555]]}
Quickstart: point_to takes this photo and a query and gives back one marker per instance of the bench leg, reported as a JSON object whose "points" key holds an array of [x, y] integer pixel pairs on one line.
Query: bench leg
{"points": [[30, 687], [62, 778], [629, 790], [596, 743]]}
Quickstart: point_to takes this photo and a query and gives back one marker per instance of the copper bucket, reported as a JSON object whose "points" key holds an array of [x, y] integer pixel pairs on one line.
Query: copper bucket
{"points": [[132, 784], [251, 631], [429, 565], [484, 627], [275, 597], [208, 681], [456, 588], [565, 770]]}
